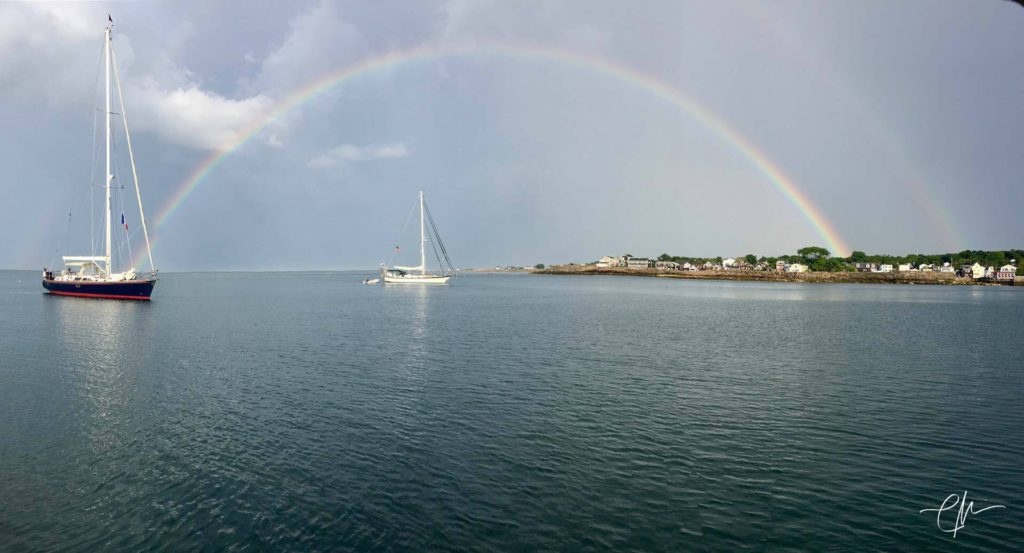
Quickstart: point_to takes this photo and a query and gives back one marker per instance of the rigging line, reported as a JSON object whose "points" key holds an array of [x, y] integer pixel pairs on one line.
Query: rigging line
{"points": [[131, 158], [437, 235], [434, 238], [67, 246], [92, 221], [127, 236], [444, 250], [92, 170], [402, 235], [434, 247]]}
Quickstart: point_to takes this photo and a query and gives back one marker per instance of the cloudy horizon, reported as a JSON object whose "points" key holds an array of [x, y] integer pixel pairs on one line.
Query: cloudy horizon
{"points": [[541, 132]]}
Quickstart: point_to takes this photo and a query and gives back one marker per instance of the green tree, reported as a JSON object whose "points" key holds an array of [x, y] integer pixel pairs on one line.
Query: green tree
{"points": [[813, 252], [538, 266], [857, 257], [751, 259], [828, 265]]}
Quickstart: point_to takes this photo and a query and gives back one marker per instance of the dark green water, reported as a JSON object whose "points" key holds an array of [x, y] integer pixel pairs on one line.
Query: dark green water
{"points": [[509, 412]]}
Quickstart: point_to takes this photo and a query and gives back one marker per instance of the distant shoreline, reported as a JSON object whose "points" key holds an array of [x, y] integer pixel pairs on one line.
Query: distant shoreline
{"points": [[496, 270], [929, 278]]}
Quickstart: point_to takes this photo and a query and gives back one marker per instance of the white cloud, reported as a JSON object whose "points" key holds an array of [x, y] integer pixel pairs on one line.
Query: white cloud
{"points": [[350, 153], [194, 117], [52, 54]]}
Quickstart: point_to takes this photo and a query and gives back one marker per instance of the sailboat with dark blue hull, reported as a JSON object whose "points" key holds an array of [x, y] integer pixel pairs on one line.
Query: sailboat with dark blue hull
{"points": [[93, 276], [128, 289]]}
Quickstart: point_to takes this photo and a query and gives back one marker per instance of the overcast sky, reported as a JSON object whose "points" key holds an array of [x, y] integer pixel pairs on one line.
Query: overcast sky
{"points": [[901, 122]]}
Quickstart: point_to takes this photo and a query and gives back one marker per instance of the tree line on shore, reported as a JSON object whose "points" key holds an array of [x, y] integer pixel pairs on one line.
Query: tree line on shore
{"points": [[820, 259]]}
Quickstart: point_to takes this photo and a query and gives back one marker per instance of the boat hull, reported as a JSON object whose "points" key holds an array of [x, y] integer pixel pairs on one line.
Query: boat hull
{"points": [[416, 279], [120, 290]]}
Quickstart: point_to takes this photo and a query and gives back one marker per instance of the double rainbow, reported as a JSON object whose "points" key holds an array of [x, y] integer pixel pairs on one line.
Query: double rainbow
{"points": [[656, 87]]}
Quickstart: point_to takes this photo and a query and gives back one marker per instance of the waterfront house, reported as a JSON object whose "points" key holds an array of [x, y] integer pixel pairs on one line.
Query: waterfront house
{"points": [[780, 265], [946, 268], [606, 262], [728, 263], [670, 265], [707, 266], [974, 271], [865, 267], [639, 263], [796, 268], [1006, 273], [883, 268], [904, 267]]}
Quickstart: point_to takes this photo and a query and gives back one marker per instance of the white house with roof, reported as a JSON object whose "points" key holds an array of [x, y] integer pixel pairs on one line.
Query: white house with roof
{"points": [[904, 267], [606, 262], [796, 268], [974, 271], [883, 268], [1006, 272]]}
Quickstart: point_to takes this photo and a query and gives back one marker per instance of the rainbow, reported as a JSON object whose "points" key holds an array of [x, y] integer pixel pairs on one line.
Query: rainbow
{"points": [[943, 222], [658, 88]]}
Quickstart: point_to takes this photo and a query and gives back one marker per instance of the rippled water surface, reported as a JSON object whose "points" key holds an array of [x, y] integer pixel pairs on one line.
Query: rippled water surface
{"points": [[311, 412]]}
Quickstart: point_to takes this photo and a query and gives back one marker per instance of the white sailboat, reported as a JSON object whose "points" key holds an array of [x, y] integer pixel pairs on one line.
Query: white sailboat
{"points": [[93, 276], [418, 274]]}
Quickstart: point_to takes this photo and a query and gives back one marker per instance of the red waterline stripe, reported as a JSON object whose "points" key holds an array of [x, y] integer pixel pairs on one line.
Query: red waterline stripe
{"points": [[110, 296]]}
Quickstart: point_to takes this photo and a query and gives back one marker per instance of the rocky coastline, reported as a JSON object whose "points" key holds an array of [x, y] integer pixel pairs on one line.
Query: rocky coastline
{"points": [[930, 278]]}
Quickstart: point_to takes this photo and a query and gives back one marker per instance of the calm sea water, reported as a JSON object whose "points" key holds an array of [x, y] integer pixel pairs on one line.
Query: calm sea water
{"points": [[509, 412]]}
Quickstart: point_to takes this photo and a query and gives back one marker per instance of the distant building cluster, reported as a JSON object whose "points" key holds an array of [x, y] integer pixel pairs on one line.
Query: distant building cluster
{"points": [[976, 271], [629, 262]]}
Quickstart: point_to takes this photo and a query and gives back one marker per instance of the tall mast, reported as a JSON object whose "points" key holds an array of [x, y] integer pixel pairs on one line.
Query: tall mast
{"points": [[423, 239], [106, 116]]}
